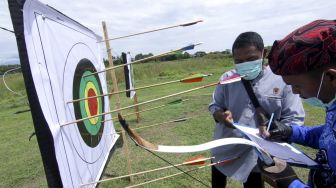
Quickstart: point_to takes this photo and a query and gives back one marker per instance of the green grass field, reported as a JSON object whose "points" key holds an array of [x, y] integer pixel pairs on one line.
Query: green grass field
{"points": [[21, 164]]}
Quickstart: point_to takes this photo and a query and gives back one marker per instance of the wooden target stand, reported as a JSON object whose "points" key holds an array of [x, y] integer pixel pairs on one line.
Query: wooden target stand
{"points": [[129, 81], [115, 89], [136, 107]]}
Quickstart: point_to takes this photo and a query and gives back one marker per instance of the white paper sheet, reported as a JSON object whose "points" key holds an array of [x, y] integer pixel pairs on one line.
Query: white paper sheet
{"points": [[282, 151]]}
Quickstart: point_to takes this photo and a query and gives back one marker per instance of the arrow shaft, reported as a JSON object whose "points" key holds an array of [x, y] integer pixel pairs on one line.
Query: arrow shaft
{"points": [[167, 96], [6, 29], [142, 103], [185, 80], [179, 173], [138, 61], [147, 171], [145, 87], [153, 30], [149, 109], [157, 99], [134, 62], [157, 124], [113, 93]]}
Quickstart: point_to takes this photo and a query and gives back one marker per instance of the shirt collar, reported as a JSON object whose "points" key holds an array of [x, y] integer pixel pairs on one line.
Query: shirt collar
{"points": [[263, 73]]}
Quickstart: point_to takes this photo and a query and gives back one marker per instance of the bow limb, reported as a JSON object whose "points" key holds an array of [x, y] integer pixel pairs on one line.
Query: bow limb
{"points": [[194, 148], [135, 137]]}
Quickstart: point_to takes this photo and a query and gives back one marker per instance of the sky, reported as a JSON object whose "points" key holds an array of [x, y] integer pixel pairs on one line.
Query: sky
{"points": [[223, 21]]}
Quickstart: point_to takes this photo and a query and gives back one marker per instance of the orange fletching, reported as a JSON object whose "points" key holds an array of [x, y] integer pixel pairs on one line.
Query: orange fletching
{"points": [[199, 160], [192, 80]]}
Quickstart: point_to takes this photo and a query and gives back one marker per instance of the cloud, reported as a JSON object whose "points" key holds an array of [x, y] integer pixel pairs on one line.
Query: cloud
{"points": [[11, 60], [223, 21]]}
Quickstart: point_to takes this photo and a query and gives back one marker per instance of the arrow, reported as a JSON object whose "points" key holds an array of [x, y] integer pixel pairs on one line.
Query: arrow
{"points": [[189, 47], [187, 163], [154, 30], [176, 102], [191, 79], [195, 161], [22, 111], [7, 29], [162, 123], [231, 79], [180, 173]]}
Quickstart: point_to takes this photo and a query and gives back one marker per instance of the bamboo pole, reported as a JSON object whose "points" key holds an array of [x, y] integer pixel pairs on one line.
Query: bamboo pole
{"points": [[136, 108], [115, 88]]}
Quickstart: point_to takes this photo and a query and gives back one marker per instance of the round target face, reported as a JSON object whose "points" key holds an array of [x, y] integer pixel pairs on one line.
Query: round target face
{"points": [[89, 87], [88, 139]]}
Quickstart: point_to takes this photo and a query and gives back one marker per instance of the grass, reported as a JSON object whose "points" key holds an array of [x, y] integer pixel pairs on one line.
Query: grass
{"points": [[21, 164]]}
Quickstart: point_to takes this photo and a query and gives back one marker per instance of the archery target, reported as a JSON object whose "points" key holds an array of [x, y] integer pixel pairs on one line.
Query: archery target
{"points": [[86, 86], [85, 135], [58, 55]]}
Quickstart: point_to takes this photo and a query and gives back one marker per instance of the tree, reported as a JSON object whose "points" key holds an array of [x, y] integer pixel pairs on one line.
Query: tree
{"points": [[138, 56], [186, 55], [200, 54]]}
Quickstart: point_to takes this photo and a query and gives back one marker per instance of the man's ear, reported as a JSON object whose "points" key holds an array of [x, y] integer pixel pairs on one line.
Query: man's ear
{"points": [[331, 74]]}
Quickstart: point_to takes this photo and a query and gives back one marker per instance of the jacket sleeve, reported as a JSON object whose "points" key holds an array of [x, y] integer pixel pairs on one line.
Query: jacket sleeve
{"points": [[292, 109], [218, 101], [218, 97], [297, 184], [307, 136]]}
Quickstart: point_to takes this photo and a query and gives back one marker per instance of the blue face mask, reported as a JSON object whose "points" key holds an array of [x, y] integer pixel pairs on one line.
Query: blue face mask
{"points": [[250, 69], [315, 101]]}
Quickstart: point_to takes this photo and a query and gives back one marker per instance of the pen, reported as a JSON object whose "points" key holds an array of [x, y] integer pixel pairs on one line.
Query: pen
{"points": [[270, 122]]}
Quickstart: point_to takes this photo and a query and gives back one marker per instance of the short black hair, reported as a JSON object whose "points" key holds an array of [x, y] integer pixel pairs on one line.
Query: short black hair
{"points": [[246, 39]]}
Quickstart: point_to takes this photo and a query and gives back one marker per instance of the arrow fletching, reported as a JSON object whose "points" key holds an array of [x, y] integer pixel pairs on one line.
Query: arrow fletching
{"points": [[190, 47], [199, 160], [230, 79], [181, 119], [178, 101], [194, 78], [191, 23]]}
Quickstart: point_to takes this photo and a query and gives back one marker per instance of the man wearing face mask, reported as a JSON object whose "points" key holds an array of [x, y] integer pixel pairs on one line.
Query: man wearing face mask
{"points": [[306, 60], [231, 102]]}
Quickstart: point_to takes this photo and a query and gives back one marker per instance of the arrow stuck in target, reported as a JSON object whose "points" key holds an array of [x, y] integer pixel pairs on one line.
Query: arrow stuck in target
{"points": [[191, 79], [154, 30], [228, 80], [175, 102], [189, 47], [162, 123]]}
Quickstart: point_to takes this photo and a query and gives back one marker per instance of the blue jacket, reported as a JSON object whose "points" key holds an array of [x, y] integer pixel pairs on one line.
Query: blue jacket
{"points": [[318, 137]]}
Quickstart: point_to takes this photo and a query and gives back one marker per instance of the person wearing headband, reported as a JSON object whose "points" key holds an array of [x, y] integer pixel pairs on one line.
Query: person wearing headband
{"points": [[306, 60]]}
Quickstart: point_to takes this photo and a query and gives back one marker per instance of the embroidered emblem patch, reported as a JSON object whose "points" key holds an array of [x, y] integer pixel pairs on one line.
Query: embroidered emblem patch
{"points": [[276, 91]]}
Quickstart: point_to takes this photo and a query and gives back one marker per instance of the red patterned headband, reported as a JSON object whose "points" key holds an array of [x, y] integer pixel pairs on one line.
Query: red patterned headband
{"points": [[305, 49]]}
